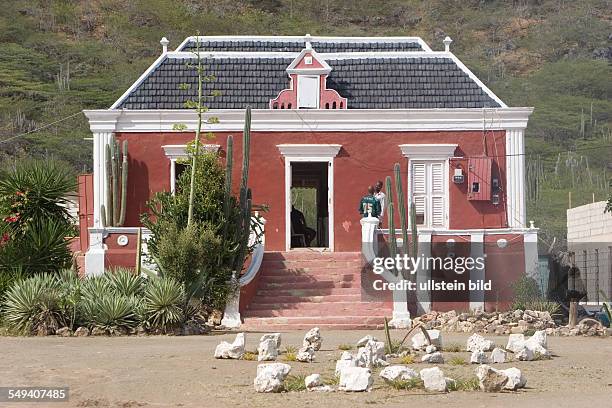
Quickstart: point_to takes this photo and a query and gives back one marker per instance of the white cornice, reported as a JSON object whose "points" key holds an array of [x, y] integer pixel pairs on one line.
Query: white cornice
{"points": [[174, 152], [428, 151], [309, 150], [313, 120]]}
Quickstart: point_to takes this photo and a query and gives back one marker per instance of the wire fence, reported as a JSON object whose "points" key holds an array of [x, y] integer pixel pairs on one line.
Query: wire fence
{"points": [[593, 266]]}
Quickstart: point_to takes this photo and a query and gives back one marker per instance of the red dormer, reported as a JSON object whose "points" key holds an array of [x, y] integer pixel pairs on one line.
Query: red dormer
{"points": [[308, 85]]}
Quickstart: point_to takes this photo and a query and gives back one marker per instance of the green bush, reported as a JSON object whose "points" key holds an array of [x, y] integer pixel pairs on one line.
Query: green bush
{"points": [[163, 304], [33, 305], [34, 220], [125, 282], [111, 312]]}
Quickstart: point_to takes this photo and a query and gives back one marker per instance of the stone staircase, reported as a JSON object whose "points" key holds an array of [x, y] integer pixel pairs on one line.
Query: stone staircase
{"points": [[305, 288]]}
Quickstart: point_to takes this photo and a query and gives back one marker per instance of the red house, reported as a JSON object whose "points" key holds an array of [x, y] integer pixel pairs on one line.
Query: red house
{"points": [[331, 115]]}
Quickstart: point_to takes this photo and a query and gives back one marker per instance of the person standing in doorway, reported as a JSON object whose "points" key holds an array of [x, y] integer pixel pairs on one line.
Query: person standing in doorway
{"points": [[369, 206], [381, 197]]}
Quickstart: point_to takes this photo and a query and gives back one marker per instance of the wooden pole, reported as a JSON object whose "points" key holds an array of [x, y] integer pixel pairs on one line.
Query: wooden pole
{"points": [[569, 199], [573, 312]]}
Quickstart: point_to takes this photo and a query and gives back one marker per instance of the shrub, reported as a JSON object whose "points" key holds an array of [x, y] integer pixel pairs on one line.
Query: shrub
{"points": [[461, 384], [452, 348], [33, 305], [163, 304], [345, 347], [34, 220], [111, 312], [295, 383], [407, 359], [406, 384], [125, 282], [457, 361]]}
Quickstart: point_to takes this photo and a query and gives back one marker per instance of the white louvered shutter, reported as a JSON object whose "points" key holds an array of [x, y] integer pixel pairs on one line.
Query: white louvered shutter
{"points": [[429, 193], [419, 191], [437, 195]]}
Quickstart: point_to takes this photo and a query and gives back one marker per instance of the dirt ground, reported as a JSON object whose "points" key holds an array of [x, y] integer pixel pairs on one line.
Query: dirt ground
{"points": [[169, 371]]}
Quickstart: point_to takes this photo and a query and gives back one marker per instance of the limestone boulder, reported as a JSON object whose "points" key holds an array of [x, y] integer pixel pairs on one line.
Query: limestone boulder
{"points": [[267, 350], [516, 379], [420, 342], [478, 343], [355, 379], [478, 357], [346, 360], [397, 372], [233, 350], [490, 379], [271, 377], [305, 354], [274, 336], [371, 355], [313, 339], [433, 379], [433, 358], [498, 356]]}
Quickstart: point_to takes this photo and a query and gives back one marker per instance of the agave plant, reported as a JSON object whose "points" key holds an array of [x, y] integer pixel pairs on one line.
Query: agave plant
{"points": [[111, 312], [124, 281], [163, 304], [33, 305]]}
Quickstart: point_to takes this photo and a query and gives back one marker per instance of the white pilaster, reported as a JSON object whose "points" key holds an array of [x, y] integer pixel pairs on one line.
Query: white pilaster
{"points": [[515, 177], [94, 258], [477, 297], [530, 242]]}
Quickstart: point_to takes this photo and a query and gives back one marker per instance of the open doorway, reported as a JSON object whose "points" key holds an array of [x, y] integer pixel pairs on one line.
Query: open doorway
{"points": [[309, 212]]}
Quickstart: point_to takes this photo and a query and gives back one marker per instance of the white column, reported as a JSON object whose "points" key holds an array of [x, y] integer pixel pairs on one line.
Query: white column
{"points": [[94, 258], [515, 177], [101, 139], [477, 297], [172, 175]]}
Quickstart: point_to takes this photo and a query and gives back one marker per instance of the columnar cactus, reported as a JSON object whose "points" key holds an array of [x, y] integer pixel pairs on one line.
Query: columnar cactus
{"points": [[391, 216], [113, 212], [401, 208]]}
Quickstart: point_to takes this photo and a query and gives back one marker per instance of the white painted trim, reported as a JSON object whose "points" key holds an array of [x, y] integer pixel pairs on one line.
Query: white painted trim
{"points": [[428, 151], [476, 80], [468, 232], [325, 120], [140, 79], [515, 178], [423, 275], [322, 56], [274, 38], [530, 243], [325, 69], [323, 153]]}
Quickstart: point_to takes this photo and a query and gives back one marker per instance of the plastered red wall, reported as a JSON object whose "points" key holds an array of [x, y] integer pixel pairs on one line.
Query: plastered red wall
{"points": [[365, 157]]}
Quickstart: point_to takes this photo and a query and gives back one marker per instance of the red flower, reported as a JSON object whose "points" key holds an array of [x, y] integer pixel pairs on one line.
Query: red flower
{"points": [[20, 194], [5, 237], [14, 218]]}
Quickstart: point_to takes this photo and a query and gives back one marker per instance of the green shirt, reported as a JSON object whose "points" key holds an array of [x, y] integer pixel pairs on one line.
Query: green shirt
{"points": [[369, 205]]}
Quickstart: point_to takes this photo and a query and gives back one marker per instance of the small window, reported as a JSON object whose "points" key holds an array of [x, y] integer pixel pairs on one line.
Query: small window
{"points": [[308, 92]]}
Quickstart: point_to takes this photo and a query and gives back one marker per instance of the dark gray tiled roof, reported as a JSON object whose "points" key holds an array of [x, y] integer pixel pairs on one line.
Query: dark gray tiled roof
{"points": [[367, 83], [297, 46]]}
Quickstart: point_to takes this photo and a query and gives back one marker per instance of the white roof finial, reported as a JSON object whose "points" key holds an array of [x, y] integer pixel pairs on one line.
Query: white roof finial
{"points": [[307, 39], [164, 42], [447, 42]]}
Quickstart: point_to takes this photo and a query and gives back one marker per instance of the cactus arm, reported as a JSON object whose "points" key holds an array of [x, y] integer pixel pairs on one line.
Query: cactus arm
{"points": [[229, 168], [103, 216], [401, 207], [413, 230], [138, 251], [124, 180], [109, 191]]}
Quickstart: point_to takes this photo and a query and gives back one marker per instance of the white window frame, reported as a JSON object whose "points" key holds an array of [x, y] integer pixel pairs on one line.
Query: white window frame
{"points": [[430, 153], [428, 216], [176, 152], [309, 153]]}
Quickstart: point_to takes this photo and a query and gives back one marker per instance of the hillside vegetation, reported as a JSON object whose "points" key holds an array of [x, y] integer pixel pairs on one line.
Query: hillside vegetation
{"points": [[59, 57]]}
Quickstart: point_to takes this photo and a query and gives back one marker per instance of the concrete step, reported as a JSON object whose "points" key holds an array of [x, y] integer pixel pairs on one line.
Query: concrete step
{"points": [[355, 297], [307, 278], [275, 292], [303, 323], [316, 306]]}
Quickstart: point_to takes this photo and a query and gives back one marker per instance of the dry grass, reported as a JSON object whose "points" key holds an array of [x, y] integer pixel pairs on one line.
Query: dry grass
{"points": [[452, 348], [345, 347], [464, 384], [413, 383], [249, 356], [295, 383], [407, 359], [457, 361]]}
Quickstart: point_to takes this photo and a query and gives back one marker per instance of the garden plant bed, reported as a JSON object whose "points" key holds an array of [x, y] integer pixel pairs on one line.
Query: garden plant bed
{"points": [[181, 371]]}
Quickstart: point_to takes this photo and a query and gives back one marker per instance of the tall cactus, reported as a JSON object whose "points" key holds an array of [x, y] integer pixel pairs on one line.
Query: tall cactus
{"points": [[229, 167], [114, 210], [401, 207], [413, 231], [391, 216], [243, 229]]}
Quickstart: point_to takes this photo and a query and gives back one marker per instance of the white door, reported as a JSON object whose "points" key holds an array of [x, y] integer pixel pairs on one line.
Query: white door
{"points": [[308, 91], [429, 193]]}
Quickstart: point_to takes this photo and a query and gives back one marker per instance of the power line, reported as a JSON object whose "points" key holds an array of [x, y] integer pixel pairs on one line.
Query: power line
{"points": [[40, 128]]}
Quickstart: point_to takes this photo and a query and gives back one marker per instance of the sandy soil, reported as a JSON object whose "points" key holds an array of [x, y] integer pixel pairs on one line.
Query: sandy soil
{"points": [[181, 372]]}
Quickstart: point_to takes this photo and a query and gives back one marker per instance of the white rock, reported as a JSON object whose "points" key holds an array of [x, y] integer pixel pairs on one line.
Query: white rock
{"points": [[313, 339], [537, 344], [233, 350], [490, 379], [516, 379], [371, 355], [420, 342], [433, 358], [355, 379], [305, 354], [275, 336], [364, 340], [267, 351], [431, 349], [270, 377], [478, 357], [539, 337], [478, 343], [322, 388], [397, 372], [524, 354], [515, 342], [313, 380], [433, 379], [346, 360], [498, 355]]}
